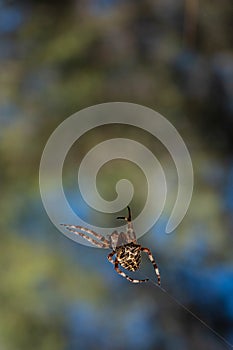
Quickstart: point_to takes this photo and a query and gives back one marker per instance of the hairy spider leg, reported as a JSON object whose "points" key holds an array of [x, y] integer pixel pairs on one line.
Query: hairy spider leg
{"points": [[116, 267], [110, 257], [147, 250], [104, 242]]}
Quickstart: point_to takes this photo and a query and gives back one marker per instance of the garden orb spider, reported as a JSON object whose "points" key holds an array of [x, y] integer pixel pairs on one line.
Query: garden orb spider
{"points": [[124, 246]]}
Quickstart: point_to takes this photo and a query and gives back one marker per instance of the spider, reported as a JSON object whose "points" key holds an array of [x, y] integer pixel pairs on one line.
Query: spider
{"points": [[124, 246]]}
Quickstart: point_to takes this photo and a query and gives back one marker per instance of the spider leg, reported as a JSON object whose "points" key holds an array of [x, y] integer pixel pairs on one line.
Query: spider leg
{"points": [[104, 242], [147, 250], [128, 218], [110, 257], [116, 263], [91, 232], [130, 231]]}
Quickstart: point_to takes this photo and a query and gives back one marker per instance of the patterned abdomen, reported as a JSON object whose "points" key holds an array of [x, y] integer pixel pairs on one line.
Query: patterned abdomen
{"points": [[129, 256]]}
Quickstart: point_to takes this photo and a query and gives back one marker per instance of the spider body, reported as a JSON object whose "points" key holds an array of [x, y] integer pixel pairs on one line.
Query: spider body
{"points": [[125, 249], [129, 256]]}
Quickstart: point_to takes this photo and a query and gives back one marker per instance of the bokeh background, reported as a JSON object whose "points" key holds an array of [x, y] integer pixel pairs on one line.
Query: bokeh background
{"points": [[58, 57]]}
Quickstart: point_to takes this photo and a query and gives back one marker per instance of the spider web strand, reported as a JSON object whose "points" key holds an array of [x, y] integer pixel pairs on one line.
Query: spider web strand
{"points": [[226, 342]]}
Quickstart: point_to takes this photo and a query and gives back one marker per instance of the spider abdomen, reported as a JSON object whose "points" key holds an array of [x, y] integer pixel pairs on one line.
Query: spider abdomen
{"points": [[129, 256]]}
